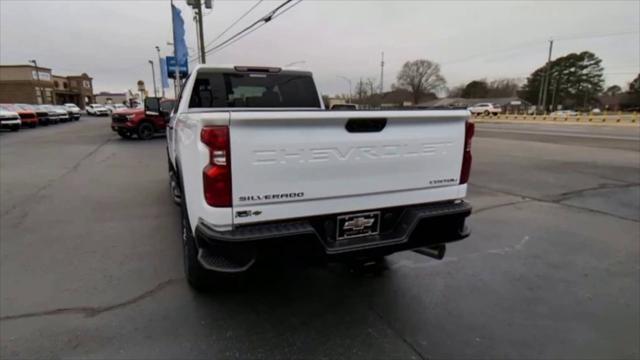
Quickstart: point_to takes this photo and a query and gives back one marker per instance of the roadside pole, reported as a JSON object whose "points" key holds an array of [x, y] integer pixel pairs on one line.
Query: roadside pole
{"points": [[160, 69], [153, 76], [547, 75], [35, 63]]}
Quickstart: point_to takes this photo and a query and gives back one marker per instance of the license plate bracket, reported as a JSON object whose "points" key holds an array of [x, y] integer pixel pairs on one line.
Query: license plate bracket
{"points": [[358, 225]]}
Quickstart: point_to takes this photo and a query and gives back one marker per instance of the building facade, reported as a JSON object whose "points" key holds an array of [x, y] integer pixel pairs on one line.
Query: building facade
{"points": [[105, 98], [26, 84]]}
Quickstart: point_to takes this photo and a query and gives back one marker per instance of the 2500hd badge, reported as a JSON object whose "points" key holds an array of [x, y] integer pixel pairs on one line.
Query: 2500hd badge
{"points": [[293, 195]]}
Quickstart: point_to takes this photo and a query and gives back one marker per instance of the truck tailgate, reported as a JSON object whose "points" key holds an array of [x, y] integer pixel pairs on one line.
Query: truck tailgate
{"points": [[286, 157]]}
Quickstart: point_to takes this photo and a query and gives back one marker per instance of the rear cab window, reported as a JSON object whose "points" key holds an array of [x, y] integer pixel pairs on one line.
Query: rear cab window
{"points": [[218, 89]]}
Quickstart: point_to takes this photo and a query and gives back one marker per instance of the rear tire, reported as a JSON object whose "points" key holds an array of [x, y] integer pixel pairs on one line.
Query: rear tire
{"points": [[174, 187], [486, 113], [146, 131], [197, 276], [15, 128]]}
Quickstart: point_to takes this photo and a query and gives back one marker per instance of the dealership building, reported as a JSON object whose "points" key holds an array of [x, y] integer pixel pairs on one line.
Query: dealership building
{"points": [[31, 85]]}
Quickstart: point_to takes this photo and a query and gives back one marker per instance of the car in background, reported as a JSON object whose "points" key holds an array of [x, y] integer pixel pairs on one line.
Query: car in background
{"points": [[564, 113], [143, 124], [344, 107], [485, 109], [67, 116], [53, 115], [56, 116], [97, 110], [10, 120], [27, 117], [73, 110], [43, 115]]}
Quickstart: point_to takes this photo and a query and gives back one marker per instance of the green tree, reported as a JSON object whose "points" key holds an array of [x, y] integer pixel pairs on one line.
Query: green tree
{"points": [[574, 80], [476, 89], [634, 85], [420, 77], [613, 90]]}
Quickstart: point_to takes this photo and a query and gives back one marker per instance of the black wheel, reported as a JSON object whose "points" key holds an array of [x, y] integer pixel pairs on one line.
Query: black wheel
{"points": [[197, 276], [486, 113], [145, 131], [15, 128], [174, 187], [124, 134], [33, 125]]}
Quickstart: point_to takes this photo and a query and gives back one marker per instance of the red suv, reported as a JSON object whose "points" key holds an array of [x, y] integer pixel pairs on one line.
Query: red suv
{"points": [[144, 124]]}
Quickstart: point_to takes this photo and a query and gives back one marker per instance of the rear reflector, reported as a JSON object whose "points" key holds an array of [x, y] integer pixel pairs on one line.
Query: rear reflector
{"points": [[216, 176], [466, 155]]}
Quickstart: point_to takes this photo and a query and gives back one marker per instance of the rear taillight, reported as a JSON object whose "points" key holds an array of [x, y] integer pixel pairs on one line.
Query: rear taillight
{"points": [[466, 155], [216, 176]]}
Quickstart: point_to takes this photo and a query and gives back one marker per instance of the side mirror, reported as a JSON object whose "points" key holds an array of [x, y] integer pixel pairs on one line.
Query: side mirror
{"points": [[152, 105]]}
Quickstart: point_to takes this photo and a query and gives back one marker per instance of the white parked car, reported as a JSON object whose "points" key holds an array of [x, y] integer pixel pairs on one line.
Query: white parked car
{"points": [[10, 120], [97, 110], [485, 109], [564, 113], [262, 166], [73, 110]]}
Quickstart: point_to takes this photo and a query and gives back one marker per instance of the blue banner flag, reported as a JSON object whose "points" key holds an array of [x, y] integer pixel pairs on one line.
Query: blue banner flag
{"points": [[163, 73], [178, 35]]}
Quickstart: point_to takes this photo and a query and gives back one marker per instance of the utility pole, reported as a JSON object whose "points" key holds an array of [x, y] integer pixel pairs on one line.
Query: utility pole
{"points": [[160, 69], [382, 74], [153, 75], [350, 87], [35, 63], [547, 75], [195, 19], [197, 7]]}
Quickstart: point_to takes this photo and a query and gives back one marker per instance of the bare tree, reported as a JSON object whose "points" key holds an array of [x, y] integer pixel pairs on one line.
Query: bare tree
{"points": [[503, 87], [362, 89], [420, 77], [456, 91]]}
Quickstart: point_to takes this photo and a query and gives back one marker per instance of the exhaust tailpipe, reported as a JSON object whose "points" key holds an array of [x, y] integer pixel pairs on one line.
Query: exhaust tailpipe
{"points": [[436, 252]]}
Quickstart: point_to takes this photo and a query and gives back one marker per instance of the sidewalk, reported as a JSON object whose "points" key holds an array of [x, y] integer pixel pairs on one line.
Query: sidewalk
{"points": [[627, 120]]}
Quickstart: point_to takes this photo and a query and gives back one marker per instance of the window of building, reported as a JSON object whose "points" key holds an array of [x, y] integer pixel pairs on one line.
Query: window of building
{"points": [[65, 85], [86, 84], [56, 84]]}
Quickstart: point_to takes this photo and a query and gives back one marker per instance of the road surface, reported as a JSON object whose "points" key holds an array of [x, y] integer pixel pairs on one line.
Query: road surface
{"points": [[91, 264]]}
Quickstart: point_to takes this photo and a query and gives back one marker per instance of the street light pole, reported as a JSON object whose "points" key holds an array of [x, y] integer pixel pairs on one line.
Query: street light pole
{"points": [[153, 74], [160, 69], [35, 63], [349, 81]]}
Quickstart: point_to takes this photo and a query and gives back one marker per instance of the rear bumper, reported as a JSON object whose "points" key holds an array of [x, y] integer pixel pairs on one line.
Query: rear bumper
{"points": [[402, 228]]}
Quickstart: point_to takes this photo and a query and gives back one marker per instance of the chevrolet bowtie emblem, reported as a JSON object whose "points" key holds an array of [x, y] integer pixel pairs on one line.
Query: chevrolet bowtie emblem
{"points": [[358, 223]]}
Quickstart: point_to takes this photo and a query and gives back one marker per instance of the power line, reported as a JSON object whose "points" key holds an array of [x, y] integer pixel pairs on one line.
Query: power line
{"points": [[234, 23], [538, 42], [251, 28]]}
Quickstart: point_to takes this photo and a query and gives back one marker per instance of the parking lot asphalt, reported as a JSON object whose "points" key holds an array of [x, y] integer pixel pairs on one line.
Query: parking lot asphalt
{"points": [[91, 263]]}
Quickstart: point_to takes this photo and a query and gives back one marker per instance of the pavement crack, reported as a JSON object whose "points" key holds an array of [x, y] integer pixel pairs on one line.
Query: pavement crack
{"points": [[52, 181], [91, 311], [569, 194], [486, 208], [554, 200], [393, 330]]}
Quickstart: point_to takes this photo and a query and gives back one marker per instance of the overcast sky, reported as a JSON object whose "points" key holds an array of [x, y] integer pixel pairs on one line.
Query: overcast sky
{"points": [[112, 41]]}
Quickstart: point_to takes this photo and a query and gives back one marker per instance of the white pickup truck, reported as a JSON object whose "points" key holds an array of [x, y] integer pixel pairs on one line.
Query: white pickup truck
{"points": [[260, 168]]}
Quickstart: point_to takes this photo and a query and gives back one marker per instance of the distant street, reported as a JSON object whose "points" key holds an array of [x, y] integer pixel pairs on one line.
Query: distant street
{"points": [[91, 260]]}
